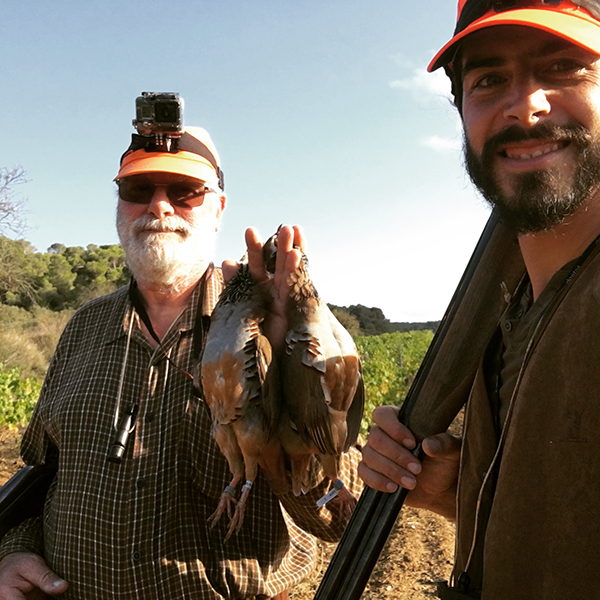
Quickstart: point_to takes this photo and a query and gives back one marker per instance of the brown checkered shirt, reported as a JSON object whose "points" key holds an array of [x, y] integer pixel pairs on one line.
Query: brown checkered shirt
{"points": [[139, 529]]}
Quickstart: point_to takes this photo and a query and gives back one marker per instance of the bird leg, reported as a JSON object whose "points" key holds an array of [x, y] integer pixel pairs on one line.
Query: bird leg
{"points": [[343, 497], [227, 502], [238, 516], [345, 500], [225, 438]]}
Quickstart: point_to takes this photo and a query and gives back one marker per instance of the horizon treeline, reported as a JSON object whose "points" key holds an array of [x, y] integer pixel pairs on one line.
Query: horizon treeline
{"points": [[66, 277]]}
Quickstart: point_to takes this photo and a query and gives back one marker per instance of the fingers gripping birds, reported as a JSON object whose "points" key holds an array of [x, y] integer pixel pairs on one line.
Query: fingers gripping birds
{"points": [[280, 409]]}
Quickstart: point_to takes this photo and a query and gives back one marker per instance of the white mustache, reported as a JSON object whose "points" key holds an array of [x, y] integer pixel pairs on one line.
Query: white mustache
{"points": [[172, 224]]}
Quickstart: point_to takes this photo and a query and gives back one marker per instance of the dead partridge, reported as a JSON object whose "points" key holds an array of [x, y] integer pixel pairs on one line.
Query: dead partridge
{"points": [[322, 387], [242, 390]]}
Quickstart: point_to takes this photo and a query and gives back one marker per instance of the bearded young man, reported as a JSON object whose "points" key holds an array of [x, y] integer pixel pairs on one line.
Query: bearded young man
{"points": [[524, 481], [139, 473]]}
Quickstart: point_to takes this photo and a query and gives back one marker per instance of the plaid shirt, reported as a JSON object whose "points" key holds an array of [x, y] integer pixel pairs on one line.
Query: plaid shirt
{"points": [[139, 529]]}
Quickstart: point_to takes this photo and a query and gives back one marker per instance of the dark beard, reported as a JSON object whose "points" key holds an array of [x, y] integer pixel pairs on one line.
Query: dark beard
{"points": [[541, 199]]}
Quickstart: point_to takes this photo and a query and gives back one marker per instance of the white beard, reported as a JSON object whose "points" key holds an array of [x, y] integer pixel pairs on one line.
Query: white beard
{"points": [[173, 261]]}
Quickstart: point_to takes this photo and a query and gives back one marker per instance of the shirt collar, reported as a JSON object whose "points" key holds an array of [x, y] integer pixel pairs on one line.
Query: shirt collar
{"points": [[118, 322]]}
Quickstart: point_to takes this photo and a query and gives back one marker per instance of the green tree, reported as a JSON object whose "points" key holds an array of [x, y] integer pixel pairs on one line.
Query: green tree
{"points": [[372, 320], [348, 320], [99, 270]]}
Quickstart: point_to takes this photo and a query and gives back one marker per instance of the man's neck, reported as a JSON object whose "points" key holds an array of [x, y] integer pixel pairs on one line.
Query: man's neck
{"points": [[163, 306], [546, 252]]}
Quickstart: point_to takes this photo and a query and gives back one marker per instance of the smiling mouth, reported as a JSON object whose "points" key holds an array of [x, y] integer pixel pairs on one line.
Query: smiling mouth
{"points": [[151, 230], [532, 149]]}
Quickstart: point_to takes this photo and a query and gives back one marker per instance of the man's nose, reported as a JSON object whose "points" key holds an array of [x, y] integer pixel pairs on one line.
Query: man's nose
{"points": [[160, 206], [527, 103]]}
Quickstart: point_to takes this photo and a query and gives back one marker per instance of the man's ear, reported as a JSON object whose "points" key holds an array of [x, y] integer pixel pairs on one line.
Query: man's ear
{"points": [[221, 204]]}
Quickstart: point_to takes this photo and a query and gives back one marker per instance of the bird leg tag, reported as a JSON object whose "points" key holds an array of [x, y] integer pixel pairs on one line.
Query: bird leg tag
{"points": [[247, 486], [331, 494], [230, 490]]}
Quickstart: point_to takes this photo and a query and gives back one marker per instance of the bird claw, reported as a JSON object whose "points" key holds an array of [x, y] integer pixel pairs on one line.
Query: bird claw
{"points": [[238, 516], [343, 498], [226, 503], [237, 520], [346, 503]]}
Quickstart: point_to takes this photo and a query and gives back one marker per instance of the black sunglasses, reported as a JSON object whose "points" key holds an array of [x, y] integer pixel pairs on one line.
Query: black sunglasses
{"points": [[182, 194]]}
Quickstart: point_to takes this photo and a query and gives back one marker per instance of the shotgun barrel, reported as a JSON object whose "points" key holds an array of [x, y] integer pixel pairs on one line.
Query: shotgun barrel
{"points": [[434, 399]]}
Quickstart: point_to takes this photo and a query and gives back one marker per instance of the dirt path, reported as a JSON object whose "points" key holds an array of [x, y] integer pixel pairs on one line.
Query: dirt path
{"points": [[417, 554], [9, 453]]}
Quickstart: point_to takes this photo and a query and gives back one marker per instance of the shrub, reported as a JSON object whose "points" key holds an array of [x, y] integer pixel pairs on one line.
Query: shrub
{"points": [[18, 396], [390, 362]]}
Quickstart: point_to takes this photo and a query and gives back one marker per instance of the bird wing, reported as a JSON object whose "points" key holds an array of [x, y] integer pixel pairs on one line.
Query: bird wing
{"points": [[228, 369], [305, 392], [270, 386], [354, 394], [355, 413], [323, 381]]}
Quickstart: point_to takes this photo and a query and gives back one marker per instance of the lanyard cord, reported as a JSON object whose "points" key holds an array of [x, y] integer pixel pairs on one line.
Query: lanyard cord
{"points": [[122, 377], [124, 421], [198, 332]]}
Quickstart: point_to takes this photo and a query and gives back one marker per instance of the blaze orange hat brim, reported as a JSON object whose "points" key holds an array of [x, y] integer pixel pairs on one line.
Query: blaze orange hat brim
{"points": [[182, 163], [566, 20], [193, 155]]}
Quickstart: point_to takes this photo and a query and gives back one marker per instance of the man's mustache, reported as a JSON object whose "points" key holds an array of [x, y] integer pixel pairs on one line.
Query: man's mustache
{"points": [[576, 134], [172, 224]]}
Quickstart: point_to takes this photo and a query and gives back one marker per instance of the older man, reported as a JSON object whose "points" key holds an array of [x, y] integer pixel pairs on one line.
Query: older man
{"points": [[139, 473], [525, 489]]}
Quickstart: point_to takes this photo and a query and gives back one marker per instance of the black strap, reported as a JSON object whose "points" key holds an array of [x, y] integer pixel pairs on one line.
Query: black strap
{"points": [[186, 142]]}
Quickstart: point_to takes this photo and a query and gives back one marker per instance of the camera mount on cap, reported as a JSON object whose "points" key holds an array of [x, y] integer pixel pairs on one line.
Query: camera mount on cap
{"points": [[159, 123], [159, 113]]}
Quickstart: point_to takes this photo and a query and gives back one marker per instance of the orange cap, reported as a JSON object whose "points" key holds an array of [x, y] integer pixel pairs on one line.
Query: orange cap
{"points": [[577, 21], [196, 157]]}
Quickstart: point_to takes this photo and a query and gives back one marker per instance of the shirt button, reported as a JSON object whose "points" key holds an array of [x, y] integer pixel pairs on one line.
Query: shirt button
{"points": [[507, 326], [137, 556], [149, 417], [140, 483]]}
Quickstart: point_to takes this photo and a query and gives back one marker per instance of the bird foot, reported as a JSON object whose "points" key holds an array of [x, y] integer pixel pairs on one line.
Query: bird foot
{"points": [[343, 498], [346, 503], [331, 494], [238, 516], [227, 502]]}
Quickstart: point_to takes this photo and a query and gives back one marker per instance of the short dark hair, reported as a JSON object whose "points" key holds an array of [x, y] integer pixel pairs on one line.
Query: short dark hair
{"points": [[454, 72]]}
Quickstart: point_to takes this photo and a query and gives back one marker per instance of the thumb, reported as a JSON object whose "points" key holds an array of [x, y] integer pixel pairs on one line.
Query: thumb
{"points": [[442, 445], [47, 581], [229, 268]]}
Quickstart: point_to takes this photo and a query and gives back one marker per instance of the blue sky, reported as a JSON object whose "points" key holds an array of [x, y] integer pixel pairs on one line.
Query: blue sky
{"points": [[321, 110]]}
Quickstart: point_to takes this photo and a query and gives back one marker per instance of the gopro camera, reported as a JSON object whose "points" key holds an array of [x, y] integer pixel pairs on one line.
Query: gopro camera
{"points": [[159, 114]]}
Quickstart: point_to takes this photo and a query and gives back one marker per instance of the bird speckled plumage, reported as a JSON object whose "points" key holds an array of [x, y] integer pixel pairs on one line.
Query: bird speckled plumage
{"points": [[241, 388], [322, 387]]}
